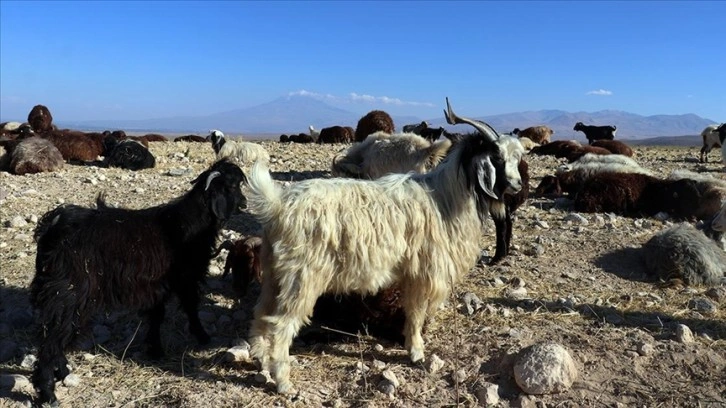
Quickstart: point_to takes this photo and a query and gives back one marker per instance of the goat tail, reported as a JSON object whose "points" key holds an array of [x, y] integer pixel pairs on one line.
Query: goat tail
{"points": [[265, 200]]}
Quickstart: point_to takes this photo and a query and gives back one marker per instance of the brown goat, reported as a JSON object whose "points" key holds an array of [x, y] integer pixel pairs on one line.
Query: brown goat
{"points": [[557, 148], [538, 134], [614, 146], [335, 134], [75, 145], [153, 137], [191, 138], [372, 122], [583, 150], [633, 194], [40, 119], [243, 260]]}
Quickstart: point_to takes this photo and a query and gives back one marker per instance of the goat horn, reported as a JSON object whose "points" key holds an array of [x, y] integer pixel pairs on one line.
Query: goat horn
{"points": [[483, 127], [211, 177]]}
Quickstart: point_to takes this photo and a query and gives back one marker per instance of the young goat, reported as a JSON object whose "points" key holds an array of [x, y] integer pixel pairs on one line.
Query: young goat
{"points": [[31, 155], [106, 258], [419, 231]]}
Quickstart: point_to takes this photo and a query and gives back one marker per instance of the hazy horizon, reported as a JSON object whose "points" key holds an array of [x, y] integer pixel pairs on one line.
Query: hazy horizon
{"points": [[132, 60]]}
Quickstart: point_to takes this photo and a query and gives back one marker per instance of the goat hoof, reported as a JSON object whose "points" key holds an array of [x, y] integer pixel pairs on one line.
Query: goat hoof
{"points": [[417, 356], [285, 388]]}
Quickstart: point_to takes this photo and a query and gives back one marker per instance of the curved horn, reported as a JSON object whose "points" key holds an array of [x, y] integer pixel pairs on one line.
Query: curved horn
{"points": [[211, 177], [483, 127]]}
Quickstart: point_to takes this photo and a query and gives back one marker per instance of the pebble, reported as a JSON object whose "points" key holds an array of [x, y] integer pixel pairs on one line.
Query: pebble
{"points": [[379, 365], [16, 222], [391, 377], [472, 303], [645, 349], [361, 367], [541, 224], [378, 347], [718, 294], [28, 361], [576, 218], [488, 394], [516, 293], [72, 380], [387, 388], [139, 190], [684, 334], [702, 305], [434, 364], [459, 376]]}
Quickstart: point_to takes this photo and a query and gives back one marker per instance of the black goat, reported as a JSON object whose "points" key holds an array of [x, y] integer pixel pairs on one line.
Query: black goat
{"points": [[106, 258], [593, 133], [127, 154]]}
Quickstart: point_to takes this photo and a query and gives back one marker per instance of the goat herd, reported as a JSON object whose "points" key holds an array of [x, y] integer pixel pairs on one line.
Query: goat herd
{"points": [[402, 213]]}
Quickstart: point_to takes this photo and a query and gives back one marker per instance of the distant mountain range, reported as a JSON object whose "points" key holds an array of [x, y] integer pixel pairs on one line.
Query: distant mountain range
{"points": [[293, 114]]}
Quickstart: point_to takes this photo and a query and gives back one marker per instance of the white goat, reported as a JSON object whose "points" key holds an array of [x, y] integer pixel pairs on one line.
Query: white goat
{"points": [[340, 235], [315, 134], [382, 153], [527, 143], [710, 140], [244, 153]]}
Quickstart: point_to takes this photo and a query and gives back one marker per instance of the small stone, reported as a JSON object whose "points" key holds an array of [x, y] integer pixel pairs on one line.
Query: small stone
{"points": [[459, 376], [576, 219], [33, 219], [378, 347], [139, 190], [387, 388], [517, 282], [541, 224], [535, 250], [516, 293], [16, 222], [472, 303], [391, 377], [434, 364], [702, 305], [28, 361], [684, 334], [89, 356], [497, 281], [71, 380], [91, 181], [717, 294], [488, 394], [237, 354], [524, 401], [379, 365], [361, 367], [644, 349]]}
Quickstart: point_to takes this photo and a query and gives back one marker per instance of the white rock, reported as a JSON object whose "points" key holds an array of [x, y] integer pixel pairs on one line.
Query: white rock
{"points": [[139, 190], [516, 293], [684, 334], [576, 219], [379, 365], [434, 364], [378, 348], [645, 349], [16, 222], [545, 368], [71, 380], [459, 376], [488, 394], [391, 377], [28, 361]]}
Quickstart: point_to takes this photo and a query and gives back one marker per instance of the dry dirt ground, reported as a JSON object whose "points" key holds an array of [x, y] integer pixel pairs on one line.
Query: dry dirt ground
{"points": [[585, 289]]}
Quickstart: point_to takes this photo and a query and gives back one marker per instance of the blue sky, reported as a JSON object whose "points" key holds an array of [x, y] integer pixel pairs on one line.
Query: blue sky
{"points": [[93, 60]]}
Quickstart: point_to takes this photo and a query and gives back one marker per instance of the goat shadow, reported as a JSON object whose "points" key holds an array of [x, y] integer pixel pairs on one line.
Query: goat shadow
{"points": [[626, 263]]}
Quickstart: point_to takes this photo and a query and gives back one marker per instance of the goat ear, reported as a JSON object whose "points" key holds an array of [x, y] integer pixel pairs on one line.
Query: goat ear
{"points": [[486, 175], [220, 207]]}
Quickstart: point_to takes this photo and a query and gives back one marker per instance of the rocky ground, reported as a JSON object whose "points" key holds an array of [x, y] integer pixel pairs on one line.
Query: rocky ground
{"points": [[574, 279]]}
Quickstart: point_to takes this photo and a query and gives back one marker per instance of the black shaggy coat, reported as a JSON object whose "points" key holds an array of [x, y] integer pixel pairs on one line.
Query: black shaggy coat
{"points": [[106, 258]]}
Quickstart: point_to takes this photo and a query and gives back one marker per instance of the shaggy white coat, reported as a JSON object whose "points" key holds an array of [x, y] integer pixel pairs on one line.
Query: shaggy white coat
{"points": [[382, 153], [527, 143], [589, 165], [341, 235], [684, 253], [244, 153]]}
